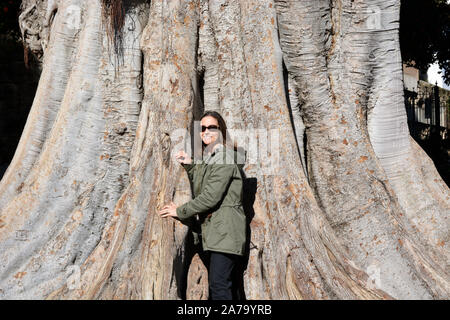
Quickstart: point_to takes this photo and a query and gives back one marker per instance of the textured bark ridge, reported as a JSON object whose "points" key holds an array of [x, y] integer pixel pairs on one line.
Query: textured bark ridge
{"points": [[345, 205]]}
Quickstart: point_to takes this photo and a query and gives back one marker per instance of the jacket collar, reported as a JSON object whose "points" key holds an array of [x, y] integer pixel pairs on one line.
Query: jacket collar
{"points": [[216, 150]]}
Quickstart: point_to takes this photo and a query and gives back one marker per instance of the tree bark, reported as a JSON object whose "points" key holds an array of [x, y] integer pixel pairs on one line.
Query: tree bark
{"points": [[341, 202]]}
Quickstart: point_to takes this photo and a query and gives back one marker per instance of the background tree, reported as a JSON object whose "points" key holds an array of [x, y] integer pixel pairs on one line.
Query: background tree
{"points": [[428, 21], [355, 209]]}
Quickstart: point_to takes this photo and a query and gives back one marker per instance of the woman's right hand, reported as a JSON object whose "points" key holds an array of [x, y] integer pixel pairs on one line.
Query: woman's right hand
{"points": [[183, 157]]}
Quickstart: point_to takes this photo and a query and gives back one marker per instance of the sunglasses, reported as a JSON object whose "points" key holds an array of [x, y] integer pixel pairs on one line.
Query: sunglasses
{"points": [[210, 128]]}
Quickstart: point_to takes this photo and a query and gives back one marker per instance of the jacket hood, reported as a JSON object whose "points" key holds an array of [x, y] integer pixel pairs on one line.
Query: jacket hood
{"points": [[238, 156]]}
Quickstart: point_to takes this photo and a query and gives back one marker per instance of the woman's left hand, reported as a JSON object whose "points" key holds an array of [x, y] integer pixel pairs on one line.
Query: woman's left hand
{"points": [[169, 210]]}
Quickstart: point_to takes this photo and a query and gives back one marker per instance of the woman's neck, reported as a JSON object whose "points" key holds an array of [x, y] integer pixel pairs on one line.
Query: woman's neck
{"points": [[211, 147]]}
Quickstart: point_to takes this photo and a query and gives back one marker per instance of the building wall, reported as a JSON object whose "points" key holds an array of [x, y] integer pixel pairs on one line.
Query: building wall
{"points": [[419, 95]]}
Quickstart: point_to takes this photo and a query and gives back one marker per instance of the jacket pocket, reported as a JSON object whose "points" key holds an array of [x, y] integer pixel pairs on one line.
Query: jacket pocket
{"points": [[218, 225]]}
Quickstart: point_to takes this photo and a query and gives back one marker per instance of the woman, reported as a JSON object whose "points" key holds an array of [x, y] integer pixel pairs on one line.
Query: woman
{"points": [[217, 204]]}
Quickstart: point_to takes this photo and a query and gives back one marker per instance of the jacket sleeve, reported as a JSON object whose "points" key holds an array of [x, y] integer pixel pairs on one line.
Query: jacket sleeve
{"points": [[190, 168], [213, 192]]}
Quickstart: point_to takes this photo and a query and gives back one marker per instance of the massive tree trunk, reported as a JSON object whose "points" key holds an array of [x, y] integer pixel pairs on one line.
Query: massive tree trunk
{"points": [[343, 205]]}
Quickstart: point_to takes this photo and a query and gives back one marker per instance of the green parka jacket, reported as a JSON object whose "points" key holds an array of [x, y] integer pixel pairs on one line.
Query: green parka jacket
{"points": [[218, 193]]}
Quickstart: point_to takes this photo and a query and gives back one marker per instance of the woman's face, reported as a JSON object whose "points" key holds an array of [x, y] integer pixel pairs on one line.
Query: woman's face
{"points": [[209, 135]]}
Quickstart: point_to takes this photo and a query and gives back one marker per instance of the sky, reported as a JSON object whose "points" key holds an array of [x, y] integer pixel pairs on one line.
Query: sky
{"points": [[434, 76]]}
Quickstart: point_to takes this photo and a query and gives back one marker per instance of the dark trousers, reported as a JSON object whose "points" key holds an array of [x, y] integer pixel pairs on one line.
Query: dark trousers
{"points": [[221, 274]]}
